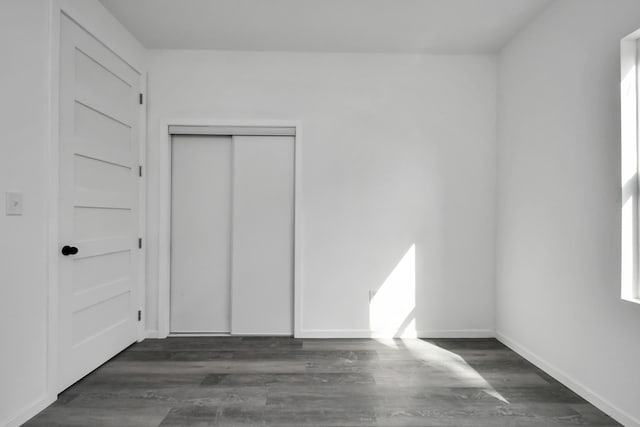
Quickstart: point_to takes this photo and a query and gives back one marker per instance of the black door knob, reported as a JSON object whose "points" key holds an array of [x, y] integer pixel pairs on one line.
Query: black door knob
{"points": [[69, 250]]}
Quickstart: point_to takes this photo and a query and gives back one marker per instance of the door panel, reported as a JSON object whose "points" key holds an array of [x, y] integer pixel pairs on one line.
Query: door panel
{"points": [[100, 137], [102, 176], [92, 272], [200, 234], [262, 245], [99, 128]]}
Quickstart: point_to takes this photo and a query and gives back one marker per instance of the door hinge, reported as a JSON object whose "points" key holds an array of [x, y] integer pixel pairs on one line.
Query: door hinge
{"points": [[139, 315], [139, 242], [141, 99], [140, 171]]}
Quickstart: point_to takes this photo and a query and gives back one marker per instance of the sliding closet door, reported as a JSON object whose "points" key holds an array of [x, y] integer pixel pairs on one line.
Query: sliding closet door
{"points": [[262, 237], [200, 233]]}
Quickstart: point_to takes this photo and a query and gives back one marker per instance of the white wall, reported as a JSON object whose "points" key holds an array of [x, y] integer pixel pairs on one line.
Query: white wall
{"points": [[26, 153], [558, 245], [24, 105], [397, 150]]}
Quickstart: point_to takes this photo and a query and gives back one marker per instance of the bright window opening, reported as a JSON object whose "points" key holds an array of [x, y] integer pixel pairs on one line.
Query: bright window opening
{"points": [[629, 168]]}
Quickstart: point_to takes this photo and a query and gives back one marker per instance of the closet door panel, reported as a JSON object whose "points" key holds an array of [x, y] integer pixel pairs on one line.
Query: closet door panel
{"points": [[262, 236], [200, 234]]}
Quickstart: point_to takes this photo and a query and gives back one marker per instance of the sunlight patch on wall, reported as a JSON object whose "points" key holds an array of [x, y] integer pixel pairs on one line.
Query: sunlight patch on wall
{"points": [[391, 310]]}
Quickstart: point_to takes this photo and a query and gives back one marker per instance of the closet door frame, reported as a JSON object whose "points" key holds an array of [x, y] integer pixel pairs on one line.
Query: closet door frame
{"points": [[164, 236]]}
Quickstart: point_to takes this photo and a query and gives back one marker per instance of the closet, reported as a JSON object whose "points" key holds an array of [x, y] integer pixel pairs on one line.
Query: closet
{"points": [[232, 225]]}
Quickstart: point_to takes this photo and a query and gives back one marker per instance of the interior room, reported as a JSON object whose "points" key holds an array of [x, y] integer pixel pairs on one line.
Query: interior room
{"points": [[319, 213]]}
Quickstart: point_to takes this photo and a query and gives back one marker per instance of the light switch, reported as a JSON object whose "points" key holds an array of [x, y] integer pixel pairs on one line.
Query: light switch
{"points": [[13, 203]]}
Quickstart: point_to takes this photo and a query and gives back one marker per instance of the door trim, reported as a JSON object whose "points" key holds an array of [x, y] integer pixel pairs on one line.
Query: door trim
{"points": [[233, 130], [164, 232], [110, 33]]}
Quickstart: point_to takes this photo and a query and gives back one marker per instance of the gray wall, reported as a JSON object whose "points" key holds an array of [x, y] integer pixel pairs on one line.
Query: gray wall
{"points": [[24, 108], [558, 244], [398, 150]]}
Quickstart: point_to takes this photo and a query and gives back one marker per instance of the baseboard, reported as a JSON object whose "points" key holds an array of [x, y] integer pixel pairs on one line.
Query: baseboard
{"points": [[333, 333], [153, 334], [592, 397], [365, 333], [216, 334], [203, 334], [28, 412], [458, 333]]}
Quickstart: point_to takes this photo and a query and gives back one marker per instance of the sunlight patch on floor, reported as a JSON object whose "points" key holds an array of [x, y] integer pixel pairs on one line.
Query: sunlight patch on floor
{"points": [[451, 363]]}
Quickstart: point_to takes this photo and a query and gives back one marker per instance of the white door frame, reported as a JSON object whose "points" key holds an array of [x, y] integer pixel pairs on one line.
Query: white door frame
{"points": [[164, 235], [110, 33]]}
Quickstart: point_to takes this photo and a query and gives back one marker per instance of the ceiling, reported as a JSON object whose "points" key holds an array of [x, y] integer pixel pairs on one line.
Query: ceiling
{"points": [[381, 26]]}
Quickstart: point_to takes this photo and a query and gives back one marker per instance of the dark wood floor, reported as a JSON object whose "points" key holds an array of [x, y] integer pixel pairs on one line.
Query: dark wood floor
{"points": [[233, 381]]}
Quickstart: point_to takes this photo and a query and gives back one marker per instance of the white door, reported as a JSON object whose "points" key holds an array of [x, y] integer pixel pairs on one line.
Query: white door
{"points": [[262, 257], [99, 223], [200, 233]]}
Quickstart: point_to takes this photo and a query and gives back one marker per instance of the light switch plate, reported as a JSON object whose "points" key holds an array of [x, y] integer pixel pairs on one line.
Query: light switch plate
{"points": [[13, 203]]}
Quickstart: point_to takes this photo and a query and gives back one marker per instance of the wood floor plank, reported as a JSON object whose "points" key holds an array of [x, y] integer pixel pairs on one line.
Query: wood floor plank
{"points": [[280, 381]]}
